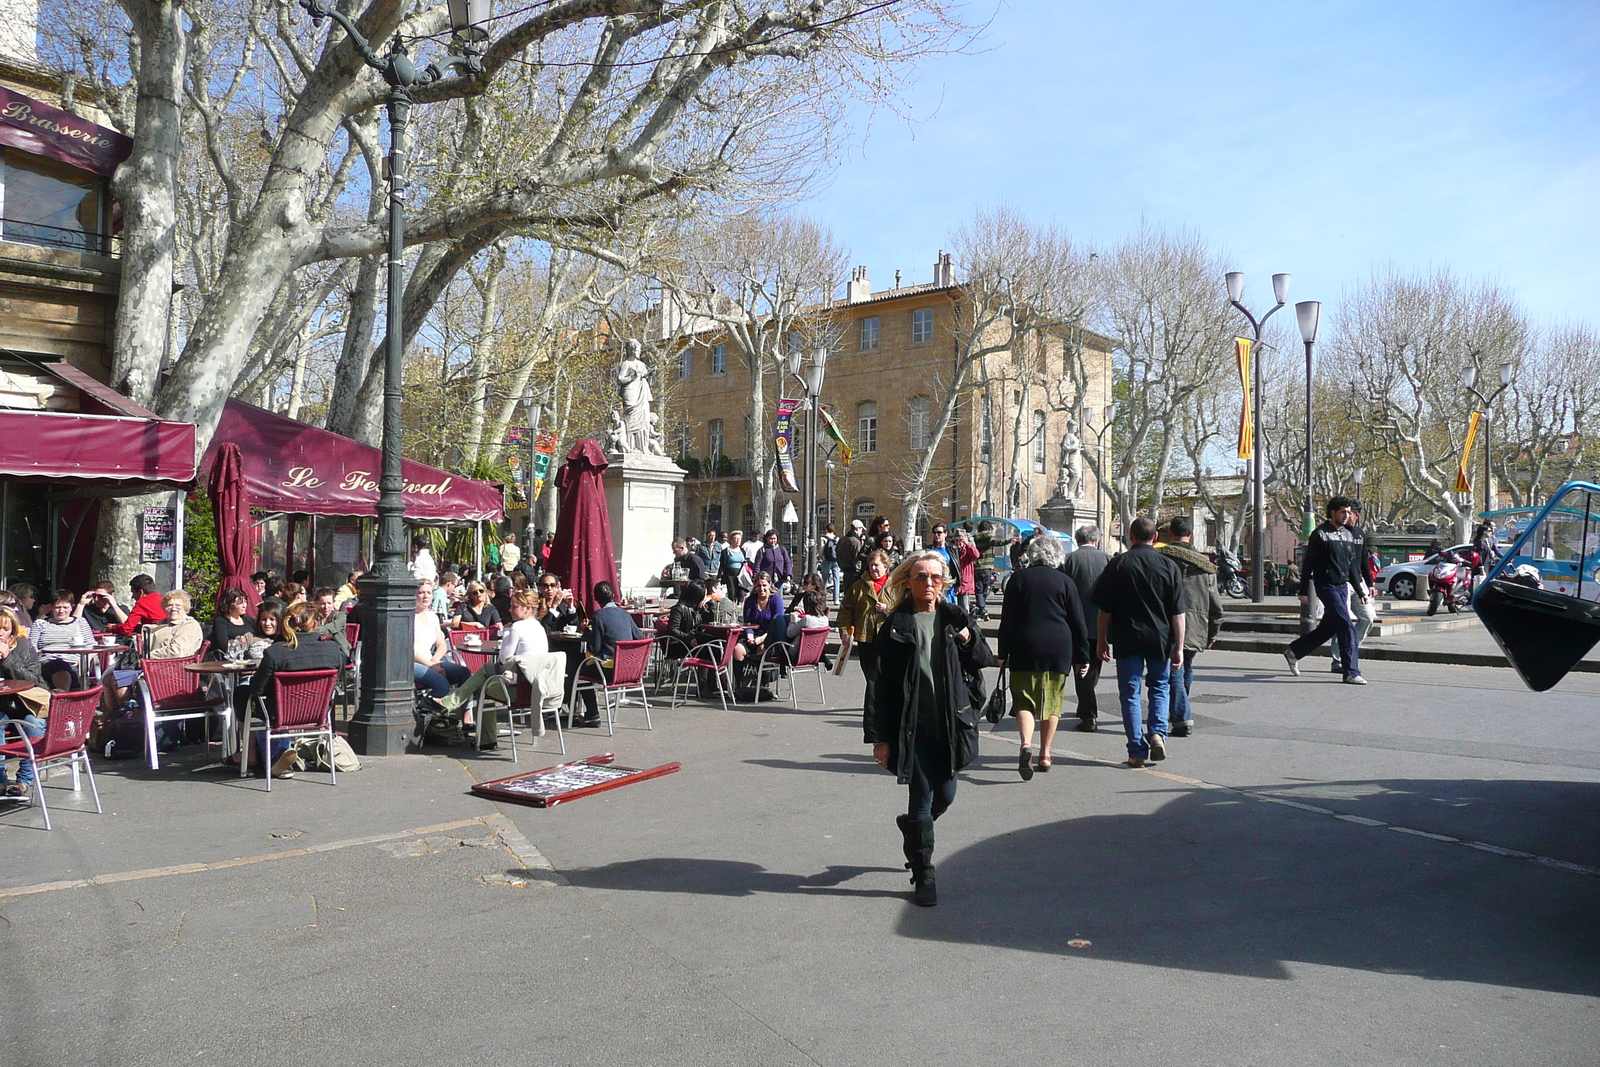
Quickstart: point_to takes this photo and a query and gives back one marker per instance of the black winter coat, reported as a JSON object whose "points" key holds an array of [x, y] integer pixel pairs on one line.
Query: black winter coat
{"points": [[1041, 622], [892, 691]]}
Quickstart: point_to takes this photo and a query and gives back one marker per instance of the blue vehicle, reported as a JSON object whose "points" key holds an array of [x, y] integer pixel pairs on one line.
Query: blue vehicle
{"points": [[1541, 600], [1006, 529]]}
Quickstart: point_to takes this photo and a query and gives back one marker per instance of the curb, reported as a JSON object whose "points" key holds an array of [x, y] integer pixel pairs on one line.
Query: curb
{"points": [[1404, 655]]}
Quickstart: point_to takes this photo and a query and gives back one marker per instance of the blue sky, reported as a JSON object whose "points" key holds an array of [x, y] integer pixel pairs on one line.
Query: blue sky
{"points": [[1328, 140]]}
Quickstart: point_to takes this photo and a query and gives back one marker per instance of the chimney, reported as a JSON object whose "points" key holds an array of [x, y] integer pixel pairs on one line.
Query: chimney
{"points": [[944, 271], [858, 288]]}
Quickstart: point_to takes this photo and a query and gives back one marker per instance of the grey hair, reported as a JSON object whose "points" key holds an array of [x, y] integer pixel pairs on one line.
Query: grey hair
{"points": [[1088, 535], [1044, 550]]}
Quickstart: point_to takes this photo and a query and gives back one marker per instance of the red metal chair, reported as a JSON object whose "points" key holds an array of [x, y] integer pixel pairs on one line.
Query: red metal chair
{"points": [[168, 693], [719, 661], [350, 677], [303, 708], [629, 663], [806, 658], [66, 738]]}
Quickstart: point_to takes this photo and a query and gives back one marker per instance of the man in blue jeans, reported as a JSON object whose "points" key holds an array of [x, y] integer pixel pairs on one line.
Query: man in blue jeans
{"points": [[1140, 597]]}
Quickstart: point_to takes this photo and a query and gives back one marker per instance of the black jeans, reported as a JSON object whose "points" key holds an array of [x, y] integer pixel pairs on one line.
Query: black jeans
{"points": [[1337, 624], [1088, 703], [933, 783]]}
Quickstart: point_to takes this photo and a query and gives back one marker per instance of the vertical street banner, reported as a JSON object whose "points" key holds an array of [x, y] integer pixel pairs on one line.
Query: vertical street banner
{"points": [[543, 448], [832, 430], [781, 438], [1247, 426], [1463, 483]]}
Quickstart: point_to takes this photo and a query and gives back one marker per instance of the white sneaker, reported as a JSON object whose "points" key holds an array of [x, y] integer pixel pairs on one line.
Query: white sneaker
{"points": [[1294, 664], [1355, 679]]}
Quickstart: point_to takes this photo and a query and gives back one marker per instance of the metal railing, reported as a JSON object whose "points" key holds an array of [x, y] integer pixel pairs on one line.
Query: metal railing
{"points": [[36, 233]]}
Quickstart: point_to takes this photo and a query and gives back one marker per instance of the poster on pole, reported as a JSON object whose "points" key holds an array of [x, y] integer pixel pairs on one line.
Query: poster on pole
{"points": [[158, 536], [543, 449], [781, 438], [1463, 483], [832, 430], [1247, 428]]}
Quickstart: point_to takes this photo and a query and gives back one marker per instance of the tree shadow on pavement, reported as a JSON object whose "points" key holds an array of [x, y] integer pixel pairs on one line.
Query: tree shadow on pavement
{"points": [[725, 878], [848, 762], [1215, 881]]}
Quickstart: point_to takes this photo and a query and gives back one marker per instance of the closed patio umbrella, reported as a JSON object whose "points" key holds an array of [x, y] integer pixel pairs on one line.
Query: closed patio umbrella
{"points": [[236, 537], [582, 552]]}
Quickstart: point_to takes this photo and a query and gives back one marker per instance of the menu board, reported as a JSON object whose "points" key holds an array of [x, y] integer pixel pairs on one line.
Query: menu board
{"points": [[568, 781], [159, 536]]}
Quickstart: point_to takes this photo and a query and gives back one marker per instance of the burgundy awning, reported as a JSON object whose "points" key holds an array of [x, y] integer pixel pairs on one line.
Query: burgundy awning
{"points": [[41, 130], [124, 455], [304, 470]]}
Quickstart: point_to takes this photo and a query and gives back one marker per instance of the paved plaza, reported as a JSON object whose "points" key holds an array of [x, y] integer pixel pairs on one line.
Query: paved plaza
{"points": [[1404, 874]]}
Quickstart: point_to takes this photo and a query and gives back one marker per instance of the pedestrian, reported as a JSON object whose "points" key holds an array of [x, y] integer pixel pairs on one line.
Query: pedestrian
{"points": [[830, 563], [1203, 620], [1140, 597], [422, 567], [1042, 639], [965, 568], [989, 544], [918, 717], [1360, 607], [1332, 567], [694, 568], [851, 558], [1084, 566], [940, 536], [773, 560], [864, 607]]}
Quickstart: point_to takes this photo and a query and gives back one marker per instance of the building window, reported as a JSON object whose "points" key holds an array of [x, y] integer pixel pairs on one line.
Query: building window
{"points": [[713, 518], [50, 203], [1038, 442], [917, 423], [869, 334], [825, 512], [747, 520], [866, 427], [921, 326], [682, 442], [866, 510], [719, 359], [714, 440], [685, 364]]}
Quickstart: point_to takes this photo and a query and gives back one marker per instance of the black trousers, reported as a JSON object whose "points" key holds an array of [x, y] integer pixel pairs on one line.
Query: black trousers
{"points": [[1088, 703], [933, 783]]}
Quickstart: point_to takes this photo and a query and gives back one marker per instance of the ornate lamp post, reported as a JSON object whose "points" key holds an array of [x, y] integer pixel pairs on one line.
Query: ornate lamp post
{"points": [[1258, 495], [384, 719], [810, 376], [1470, 380], [1308, 312]]}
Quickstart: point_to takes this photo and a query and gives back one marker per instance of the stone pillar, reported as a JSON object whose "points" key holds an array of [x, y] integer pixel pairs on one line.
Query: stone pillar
{"points": [[1059, 514], [641, 496]]}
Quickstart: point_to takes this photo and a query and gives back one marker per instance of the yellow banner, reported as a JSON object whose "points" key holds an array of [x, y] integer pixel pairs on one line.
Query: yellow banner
{"points": [[1247, 426], [1463, 485]]}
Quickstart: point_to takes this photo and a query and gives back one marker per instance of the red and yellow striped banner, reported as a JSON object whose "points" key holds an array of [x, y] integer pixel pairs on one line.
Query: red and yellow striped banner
{"points": [[1247, 426], [1463, 484]]}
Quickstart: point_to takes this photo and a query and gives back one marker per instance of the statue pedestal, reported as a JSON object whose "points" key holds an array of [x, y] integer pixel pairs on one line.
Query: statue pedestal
{"points": [[642, 498], [1060, 513]]}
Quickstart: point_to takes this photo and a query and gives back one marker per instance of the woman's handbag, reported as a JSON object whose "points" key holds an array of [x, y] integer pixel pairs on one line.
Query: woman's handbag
{"points": [[995, 709]]}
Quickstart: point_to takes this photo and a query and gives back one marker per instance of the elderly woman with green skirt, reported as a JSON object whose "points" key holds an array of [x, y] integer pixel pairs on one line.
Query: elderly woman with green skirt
{"points": [[1042, 637]]}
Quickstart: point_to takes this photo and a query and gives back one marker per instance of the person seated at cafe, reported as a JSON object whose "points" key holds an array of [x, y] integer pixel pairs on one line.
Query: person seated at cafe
{"points": [[251, 648], [445, 599], [524, 651], [25, 595], [502, 597], [331, 620], [762, 607], [57, 629], [263, 582], [348, 591], [299, 650], [718, 608], [180, 635], [429, 668], [94, 607], [476, 612], [292, 593], [19, 662], [146, 607], [608, 625], [556, 610], [807, 613], [683, 622], [233, 620]]}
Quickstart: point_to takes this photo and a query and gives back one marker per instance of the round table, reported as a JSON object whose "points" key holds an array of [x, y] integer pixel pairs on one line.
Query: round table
{"points": [[230, 671], [84, 652]]}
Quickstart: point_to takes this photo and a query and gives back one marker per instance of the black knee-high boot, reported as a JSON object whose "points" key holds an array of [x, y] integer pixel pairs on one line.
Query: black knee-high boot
{"points": [[925, 895], [912, 842]]}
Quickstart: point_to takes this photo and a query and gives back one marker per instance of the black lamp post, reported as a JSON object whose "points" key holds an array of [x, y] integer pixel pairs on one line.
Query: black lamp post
{"points": [[1258, 495], [1471, 382], [384, 720], [810, 376], [1308, 312]]}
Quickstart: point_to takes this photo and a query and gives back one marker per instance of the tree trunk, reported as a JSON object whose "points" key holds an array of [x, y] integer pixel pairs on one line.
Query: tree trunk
{"points": [[482, 346]]}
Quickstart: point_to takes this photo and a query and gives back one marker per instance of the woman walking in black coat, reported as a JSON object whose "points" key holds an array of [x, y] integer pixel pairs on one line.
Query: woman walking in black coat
{"points": [[1042, 638], [919, 719]]}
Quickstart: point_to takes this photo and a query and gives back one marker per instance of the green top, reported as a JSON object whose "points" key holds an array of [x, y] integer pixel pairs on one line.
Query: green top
{"points": [[929, 722]]}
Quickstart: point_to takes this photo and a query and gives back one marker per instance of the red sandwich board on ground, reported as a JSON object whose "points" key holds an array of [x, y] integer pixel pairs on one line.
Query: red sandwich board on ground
{"points": [[568, 781]]}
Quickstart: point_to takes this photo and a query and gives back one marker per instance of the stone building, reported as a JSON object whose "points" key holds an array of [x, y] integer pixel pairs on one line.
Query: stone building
{"points": [[888, 376]]}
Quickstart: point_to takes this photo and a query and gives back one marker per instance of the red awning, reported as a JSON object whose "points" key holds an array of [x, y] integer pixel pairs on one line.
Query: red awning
{"points": [[122, 454], [41, 130], [303, 470]]}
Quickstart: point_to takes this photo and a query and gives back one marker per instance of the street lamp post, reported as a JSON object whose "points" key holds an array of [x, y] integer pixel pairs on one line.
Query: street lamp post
{"points": [[1258, 496], [1308, 312], [810, 376], [1471, 382], [384, 720]]}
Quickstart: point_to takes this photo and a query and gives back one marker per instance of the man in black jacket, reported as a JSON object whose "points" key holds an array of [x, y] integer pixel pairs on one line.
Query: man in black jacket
{"points": [[1084, 566], [1333, 565]]}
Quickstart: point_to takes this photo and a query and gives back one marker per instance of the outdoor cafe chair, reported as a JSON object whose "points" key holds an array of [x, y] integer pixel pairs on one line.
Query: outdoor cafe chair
{"points": [[168, 693], [350, 677], [513, 701], [626, 676], [713, 656], [65, 740], [807, 659], [304, 702]]}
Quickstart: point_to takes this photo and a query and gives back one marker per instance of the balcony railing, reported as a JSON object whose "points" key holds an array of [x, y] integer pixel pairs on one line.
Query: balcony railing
{"points": [[35, 233]]}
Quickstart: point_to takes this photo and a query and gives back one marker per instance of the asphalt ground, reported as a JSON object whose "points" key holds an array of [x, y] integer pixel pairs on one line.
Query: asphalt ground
{"points": [[1405, 873]]}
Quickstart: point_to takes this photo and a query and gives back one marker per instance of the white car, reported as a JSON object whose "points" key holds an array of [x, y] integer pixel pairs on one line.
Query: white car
{"points": [[1404, 581]]}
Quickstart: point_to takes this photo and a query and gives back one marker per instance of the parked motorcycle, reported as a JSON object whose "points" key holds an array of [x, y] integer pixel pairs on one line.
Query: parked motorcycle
{"points": [[1450, 584], [1231, 574]]}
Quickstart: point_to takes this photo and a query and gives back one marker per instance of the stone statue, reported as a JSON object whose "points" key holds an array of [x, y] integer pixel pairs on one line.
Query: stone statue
{"points": [[1069, 478], [633, 383]]}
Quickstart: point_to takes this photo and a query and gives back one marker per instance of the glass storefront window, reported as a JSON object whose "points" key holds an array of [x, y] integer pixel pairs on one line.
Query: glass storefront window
{"points": [[50, 203]]}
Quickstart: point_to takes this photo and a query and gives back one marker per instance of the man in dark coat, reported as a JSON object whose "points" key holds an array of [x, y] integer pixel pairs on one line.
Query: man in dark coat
{"points": [[1084, 567], [1204, 619], [1333, 567]]}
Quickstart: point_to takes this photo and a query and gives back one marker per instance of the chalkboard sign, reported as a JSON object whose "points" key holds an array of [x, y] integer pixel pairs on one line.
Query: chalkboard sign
{"points": [[568, 781], [159, 536]]}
